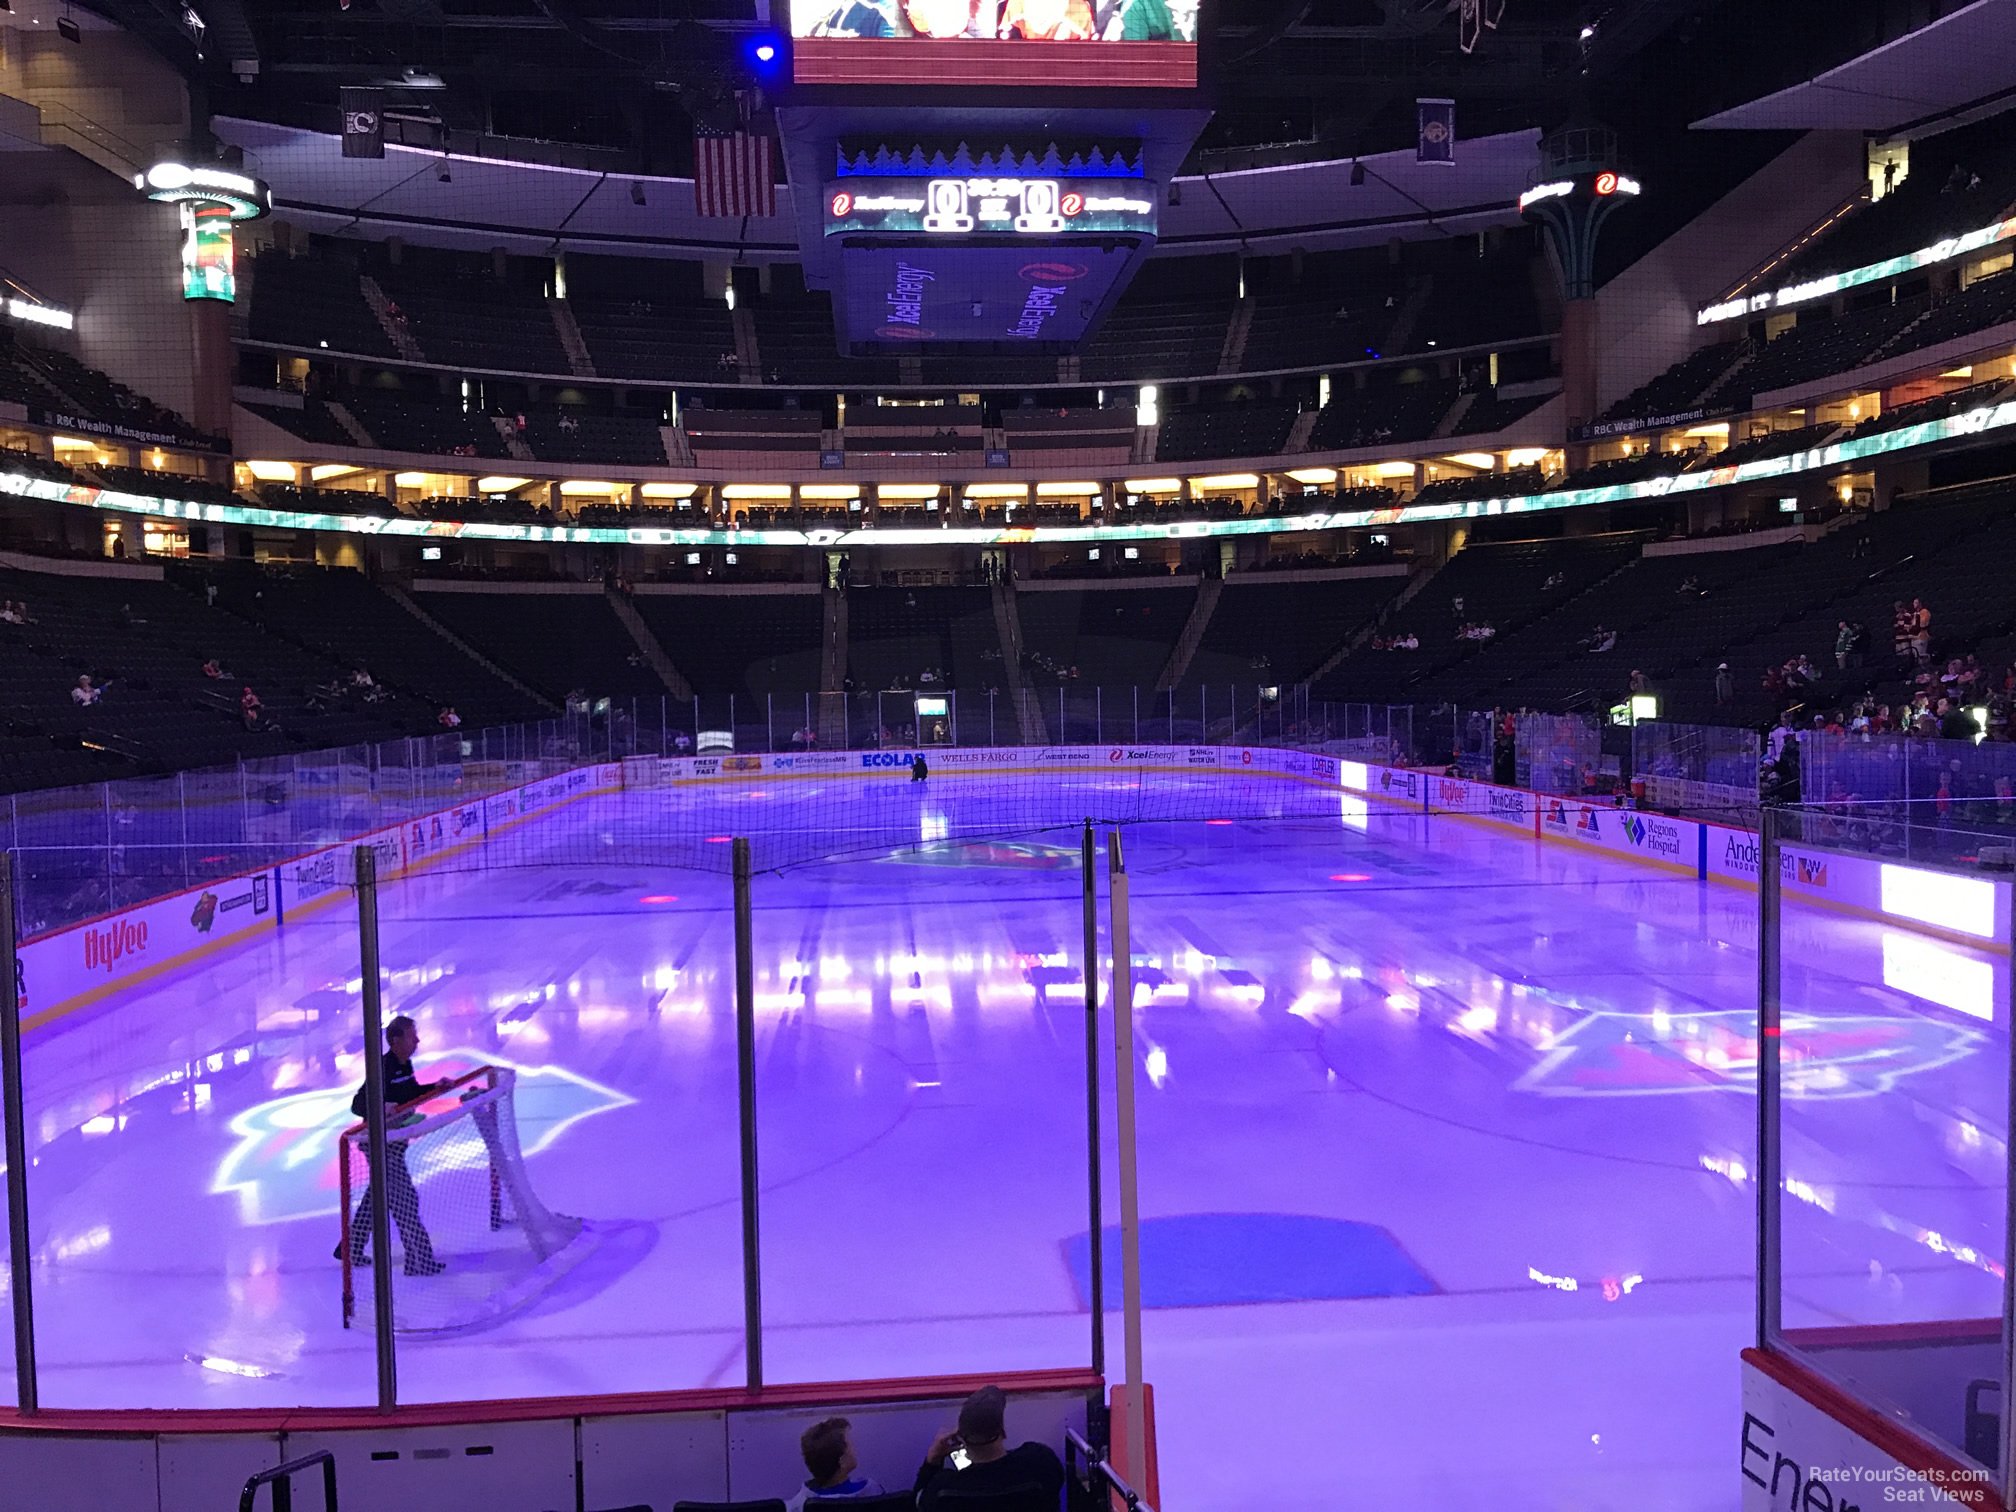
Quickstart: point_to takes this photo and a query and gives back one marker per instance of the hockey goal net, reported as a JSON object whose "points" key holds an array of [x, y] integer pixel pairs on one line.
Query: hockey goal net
{"points": [[471, 1241]]}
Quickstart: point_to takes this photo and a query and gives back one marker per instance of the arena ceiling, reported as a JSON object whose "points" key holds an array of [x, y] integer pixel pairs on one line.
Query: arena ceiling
{"points": [[1290, 77]]}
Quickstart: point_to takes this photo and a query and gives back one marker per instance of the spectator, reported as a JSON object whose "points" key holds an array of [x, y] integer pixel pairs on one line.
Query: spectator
{"points": [[249, 708], [84, 694], [11, 614], [1844, 642], [1725, 685], [213, 669], [990, 1466], [829, 1457], [448, 719], [1955, 723], [1640, 683], [210, 595]]}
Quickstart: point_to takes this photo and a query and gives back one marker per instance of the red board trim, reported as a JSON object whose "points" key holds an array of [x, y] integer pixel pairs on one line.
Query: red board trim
{"points": [[1896, 1335], [536, 1409]]}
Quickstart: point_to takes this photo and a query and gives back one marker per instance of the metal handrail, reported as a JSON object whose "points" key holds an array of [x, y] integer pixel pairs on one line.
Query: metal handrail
{"points": [[281, 1478], [1098, 1467]]}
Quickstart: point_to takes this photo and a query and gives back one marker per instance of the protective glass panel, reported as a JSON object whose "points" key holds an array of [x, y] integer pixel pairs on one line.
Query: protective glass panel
{"points": [[181, 1131], [919, 987], [565, 951], [1892, 1000]]}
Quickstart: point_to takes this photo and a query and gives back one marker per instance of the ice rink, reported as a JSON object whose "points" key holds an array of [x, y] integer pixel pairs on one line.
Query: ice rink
{"points": [[1445, 1136]]}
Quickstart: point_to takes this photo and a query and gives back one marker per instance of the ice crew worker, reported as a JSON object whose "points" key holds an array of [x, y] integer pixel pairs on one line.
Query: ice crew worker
{"points": [[402, 1041], [918, 770]]}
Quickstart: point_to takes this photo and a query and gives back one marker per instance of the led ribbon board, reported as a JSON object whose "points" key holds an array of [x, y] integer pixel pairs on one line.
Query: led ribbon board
{"points": [[1834, 283], [1988, 419], [956, 208]]}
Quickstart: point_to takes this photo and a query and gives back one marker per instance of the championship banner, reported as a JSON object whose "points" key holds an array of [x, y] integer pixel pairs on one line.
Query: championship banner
{"points": [[363, 123], [1436, 138]]}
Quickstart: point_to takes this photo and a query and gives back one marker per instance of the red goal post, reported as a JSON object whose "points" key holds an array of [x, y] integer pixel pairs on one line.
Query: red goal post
{"points": [[354, 1139]]}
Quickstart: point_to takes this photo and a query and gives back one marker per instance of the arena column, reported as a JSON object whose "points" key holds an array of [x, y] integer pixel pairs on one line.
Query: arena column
{"points": [[210, 198], [1574, 191]]}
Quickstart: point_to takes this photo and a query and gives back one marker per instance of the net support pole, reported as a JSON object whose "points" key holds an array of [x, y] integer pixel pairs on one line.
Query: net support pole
{"points": [[375, 1143], [1121, 938], [1095, 1250], [745, 1102], [16, 1114], [1768, 1020]]}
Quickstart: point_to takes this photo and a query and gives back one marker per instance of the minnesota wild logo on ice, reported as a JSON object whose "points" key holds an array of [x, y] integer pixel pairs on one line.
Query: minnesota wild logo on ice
{"points": [[283, 1166], [1838, 1056]]}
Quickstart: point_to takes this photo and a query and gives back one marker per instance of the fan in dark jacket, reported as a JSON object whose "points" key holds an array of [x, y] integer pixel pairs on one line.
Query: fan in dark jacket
{"points": [[991, 1466]]}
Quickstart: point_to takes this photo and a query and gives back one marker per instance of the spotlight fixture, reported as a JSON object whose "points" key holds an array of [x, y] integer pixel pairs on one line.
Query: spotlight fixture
{"points": [[636, 194], [444, 176], [69, 30], [1357, 174]]}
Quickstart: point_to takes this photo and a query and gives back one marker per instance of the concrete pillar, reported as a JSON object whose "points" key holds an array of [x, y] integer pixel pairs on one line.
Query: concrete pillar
{"points": [[1578, 361], [215, 364]]}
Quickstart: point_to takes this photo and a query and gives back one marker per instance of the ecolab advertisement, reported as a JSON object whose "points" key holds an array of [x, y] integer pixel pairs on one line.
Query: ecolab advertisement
{"points": [[80, 964]]}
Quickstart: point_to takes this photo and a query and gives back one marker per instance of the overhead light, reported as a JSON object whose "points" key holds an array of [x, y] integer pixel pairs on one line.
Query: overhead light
{"points": [[421, 78], [69, 30], [40, 314]]}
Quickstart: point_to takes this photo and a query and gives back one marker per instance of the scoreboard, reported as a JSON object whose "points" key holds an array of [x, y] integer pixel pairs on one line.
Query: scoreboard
{"points": [[983, 206], [996, 43]]}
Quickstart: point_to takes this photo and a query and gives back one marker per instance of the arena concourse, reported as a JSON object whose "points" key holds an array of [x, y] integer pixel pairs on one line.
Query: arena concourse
{"points": [[757, 756]]}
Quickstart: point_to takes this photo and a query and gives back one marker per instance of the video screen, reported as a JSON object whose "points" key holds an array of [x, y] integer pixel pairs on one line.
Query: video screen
{"points": [[1148, 43]]}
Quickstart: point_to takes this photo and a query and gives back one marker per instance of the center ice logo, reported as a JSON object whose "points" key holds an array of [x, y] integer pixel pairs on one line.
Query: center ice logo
{"points": [[1839, 1056], [1014, 853], [283, 1166]]}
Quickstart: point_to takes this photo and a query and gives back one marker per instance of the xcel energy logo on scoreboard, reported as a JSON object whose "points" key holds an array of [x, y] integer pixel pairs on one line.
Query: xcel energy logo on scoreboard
{"points": [[963, 207]]}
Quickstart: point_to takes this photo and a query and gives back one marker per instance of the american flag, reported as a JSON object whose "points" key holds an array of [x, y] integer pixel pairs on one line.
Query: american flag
{"points": [[731, 174]]}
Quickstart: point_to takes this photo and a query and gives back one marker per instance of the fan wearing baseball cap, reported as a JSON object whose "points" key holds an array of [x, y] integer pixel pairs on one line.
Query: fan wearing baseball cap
{"points": [[991, 1467]]}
